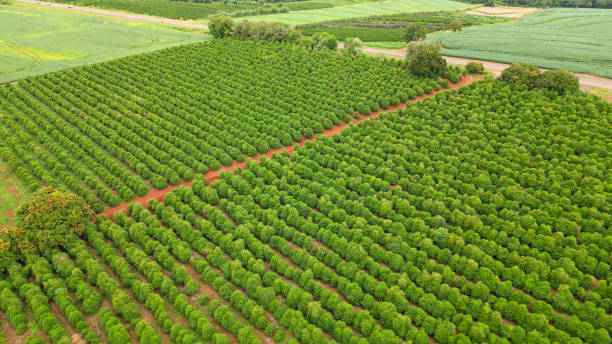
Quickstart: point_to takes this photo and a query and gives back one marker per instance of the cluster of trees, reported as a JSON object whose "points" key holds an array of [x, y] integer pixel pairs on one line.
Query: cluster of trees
{"points": [[49, 219], [222, 26], [528, 75], [281, 8], [474, 67]]}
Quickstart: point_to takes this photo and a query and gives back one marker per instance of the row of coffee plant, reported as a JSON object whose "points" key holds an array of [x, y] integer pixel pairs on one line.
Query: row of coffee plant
{"points": [[111, 131]]}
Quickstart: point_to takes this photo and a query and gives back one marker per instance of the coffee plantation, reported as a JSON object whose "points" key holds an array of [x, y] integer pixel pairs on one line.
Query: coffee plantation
{"points": [[477, 215]]}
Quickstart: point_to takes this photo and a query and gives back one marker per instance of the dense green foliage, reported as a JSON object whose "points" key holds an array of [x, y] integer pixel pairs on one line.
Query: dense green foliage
{"points": [[582, 41], [49, 219], [220, 26], [167, 8], [428, 62], [109, 132], [414, 32], [529, 76], [268, 31], [474, 67]]}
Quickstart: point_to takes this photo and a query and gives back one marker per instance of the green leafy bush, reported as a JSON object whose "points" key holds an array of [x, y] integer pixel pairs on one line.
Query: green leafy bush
{"points": [[474, 67], [429, 63], [49, 219]]}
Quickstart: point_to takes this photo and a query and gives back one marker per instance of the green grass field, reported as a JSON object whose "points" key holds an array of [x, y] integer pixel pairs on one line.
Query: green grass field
{"points": [[361, 10], [40, 40], [576, 39]]}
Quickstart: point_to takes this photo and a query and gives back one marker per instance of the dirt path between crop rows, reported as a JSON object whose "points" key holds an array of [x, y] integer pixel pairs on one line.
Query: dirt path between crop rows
{"points": [[212, 175], [117, 14], [586, 80]]}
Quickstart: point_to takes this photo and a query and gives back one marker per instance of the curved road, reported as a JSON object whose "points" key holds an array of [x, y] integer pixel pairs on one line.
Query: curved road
{"points": [[124, 15], [586, 80]]}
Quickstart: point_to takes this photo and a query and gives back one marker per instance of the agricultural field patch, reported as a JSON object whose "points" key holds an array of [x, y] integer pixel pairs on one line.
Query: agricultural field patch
{"points": [[451, 221], [365, 9], [166, 8], [391, 28], [583, 41], [111, 131], [37, 40]]}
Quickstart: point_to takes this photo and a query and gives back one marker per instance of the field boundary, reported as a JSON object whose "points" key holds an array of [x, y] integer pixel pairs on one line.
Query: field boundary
{"points": [[212, 175]]}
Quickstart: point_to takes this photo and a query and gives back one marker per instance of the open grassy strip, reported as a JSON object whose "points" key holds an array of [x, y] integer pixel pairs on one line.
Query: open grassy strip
{"points": [[583, 46], [12, 193]]}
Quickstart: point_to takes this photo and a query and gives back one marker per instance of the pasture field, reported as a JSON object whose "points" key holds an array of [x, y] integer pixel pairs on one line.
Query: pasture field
{"points": [[364, 9], [41, 40], [579, 40], [476, 216]]}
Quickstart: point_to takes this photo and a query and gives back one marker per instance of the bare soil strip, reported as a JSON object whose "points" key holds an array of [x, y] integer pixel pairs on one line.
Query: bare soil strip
{"points": [[502, 11], [212, 175]]}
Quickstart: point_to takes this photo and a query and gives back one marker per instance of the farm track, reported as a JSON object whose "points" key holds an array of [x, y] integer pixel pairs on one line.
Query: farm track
{"points": [[210, 176], [118, 14], [586, 80]]}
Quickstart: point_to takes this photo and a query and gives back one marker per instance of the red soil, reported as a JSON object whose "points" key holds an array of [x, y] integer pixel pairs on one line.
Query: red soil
{"points": [[11, 189], [213, 175]]}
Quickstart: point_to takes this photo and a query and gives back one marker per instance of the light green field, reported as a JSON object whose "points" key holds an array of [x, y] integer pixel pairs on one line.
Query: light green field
{"points": [[576, 39], [360, 10], [37, 40]]}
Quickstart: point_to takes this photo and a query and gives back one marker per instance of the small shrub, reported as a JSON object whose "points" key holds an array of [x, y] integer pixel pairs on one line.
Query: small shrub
{"points": [[474, 67], [51, 218], [455, 25], [560, 81], [521, 73], [220, 26], [415, 32]]}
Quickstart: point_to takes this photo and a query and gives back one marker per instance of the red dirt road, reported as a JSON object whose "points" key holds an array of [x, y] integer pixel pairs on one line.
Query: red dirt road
{"points": [[210, 176]]}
